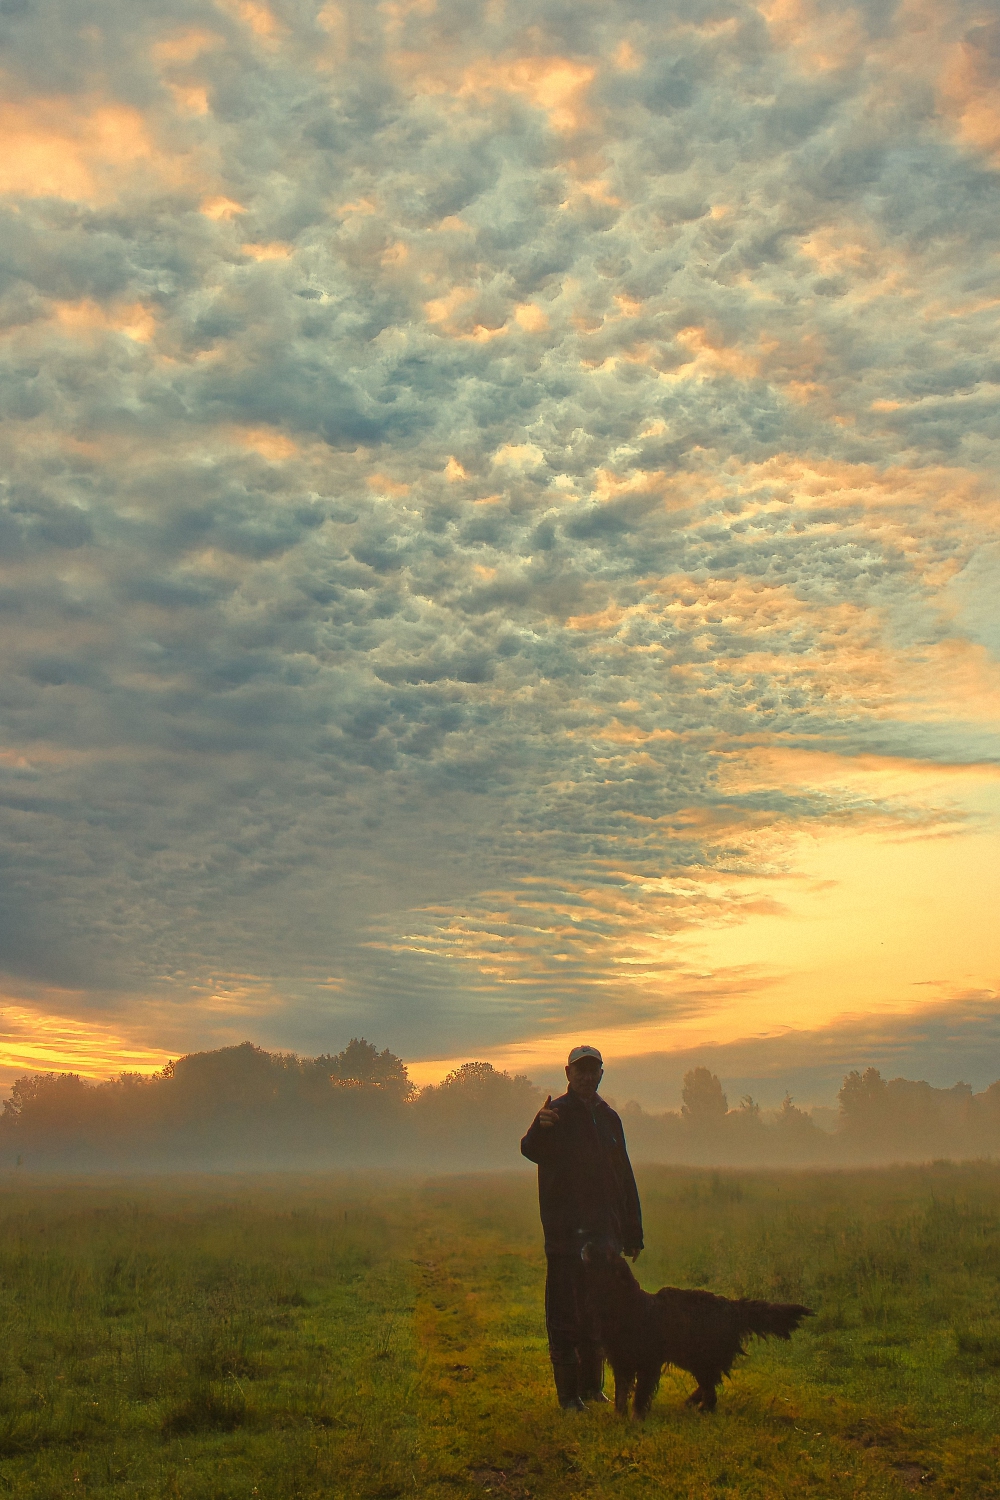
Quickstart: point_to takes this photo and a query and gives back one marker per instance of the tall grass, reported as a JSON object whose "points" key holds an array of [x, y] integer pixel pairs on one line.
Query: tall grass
{"points": [[337, 1336]]}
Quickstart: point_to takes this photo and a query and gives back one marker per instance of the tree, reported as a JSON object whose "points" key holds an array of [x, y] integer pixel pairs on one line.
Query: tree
{"points": [[705, 1105], [48, 1102], [362, 1065], [239, 1078], [862, 1100], [795, 1128], [477, 1114], [480, 1084], [478, 1078]]}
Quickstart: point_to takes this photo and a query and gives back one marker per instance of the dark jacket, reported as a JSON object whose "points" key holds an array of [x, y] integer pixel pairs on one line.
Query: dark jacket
{"points": [[586, 1189]]}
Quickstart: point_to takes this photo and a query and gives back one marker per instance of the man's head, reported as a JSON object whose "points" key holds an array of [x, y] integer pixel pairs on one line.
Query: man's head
{"points": [[584, 1070]]}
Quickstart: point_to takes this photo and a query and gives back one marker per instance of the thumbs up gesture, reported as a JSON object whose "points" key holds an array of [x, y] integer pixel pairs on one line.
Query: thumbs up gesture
{"points": [[547, 1116]]}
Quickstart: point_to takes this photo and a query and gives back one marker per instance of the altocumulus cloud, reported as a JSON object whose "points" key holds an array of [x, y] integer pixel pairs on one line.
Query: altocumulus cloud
{"points": [[445, 444]]}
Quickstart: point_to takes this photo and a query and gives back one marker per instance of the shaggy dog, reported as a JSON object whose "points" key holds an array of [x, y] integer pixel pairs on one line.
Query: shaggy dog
{"points": [[697, 1331]]}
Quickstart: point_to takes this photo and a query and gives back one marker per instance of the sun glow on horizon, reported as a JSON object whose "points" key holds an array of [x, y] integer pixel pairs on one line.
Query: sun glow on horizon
{"points": [[33, 1040]]}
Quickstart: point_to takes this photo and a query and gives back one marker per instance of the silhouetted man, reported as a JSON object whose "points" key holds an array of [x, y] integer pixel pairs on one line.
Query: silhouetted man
{"points": [[586, 1191]]}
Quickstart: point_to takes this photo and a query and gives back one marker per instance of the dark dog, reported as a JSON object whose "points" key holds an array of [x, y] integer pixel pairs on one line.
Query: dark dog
{"points": [[697, 1331]]}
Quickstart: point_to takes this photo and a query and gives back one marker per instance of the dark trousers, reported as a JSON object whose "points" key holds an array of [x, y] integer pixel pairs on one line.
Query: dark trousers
{"points": [[570, 1321]]}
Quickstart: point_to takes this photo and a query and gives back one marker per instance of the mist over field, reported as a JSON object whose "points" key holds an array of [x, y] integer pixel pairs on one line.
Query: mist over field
{"points": [[242, 1108]]}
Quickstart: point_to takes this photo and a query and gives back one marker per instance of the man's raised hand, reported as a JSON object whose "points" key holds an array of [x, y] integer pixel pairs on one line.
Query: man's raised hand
{"points": [[547, 1116]]}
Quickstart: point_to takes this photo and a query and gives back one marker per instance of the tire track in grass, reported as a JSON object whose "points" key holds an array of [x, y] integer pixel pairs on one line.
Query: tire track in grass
{"points": [[480, 1428]]}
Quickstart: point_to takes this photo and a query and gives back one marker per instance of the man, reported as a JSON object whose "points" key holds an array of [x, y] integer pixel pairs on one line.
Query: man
{"points": [[586, 1191]]}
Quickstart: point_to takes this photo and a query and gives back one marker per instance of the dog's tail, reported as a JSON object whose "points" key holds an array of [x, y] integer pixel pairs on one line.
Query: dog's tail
{"points": [[767, 1320]]}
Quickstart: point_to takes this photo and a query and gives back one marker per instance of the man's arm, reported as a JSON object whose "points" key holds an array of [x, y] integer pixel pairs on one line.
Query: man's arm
{"points": [[539, 1137], [632, 1226]]}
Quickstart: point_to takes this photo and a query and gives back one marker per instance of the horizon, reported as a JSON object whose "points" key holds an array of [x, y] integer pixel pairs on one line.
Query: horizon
{"points": [[500, 543], [653, 1082]]}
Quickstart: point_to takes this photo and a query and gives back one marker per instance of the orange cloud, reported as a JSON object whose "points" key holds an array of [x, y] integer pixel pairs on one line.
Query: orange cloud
{"points": [[914, 506], [276, 250], [383, 484], [190, 98], [259, 18], [609, 486], [626, 58], [557, 85], [221, 208], [134, 320], [819, 40], [454, 315], [60, 148], [969, 89], [530, 317], [33, 1040], [266, 441], [877, 778], [709, 358]]}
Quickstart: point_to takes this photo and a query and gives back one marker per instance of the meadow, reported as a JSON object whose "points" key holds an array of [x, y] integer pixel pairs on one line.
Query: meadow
{"points": [[285, 1338]]}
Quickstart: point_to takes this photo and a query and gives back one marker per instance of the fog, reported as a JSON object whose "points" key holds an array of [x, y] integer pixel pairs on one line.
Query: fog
{"points": [[242, 1108]]}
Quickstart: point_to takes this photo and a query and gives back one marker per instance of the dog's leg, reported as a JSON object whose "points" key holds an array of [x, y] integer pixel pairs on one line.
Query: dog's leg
{"points": [[705, 1396], [624, 1381], [645, 1389], [710, 1400]]}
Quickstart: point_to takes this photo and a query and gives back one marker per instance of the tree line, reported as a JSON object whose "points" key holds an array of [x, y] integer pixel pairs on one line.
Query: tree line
{"points": [[878, 1120], [243, 1107]]}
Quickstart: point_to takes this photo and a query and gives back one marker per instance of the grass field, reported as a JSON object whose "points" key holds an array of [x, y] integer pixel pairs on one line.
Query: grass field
{"points": [[220, 1338]]}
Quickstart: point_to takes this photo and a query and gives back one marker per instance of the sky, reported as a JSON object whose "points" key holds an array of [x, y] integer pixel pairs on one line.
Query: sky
{"points": [[499, 540]]}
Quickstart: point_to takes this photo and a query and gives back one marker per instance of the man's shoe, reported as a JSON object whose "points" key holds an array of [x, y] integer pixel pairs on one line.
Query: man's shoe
{"points": [[591, 1376], [567, 1378]]}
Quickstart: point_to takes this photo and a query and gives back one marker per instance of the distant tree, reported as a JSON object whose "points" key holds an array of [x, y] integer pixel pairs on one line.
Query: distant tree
{"points": [[362, 1065], [653, 1137], [481, 1080], [705, 1105], [862, 1099], [49, 1102], [910, 1119], [988, 1105], [240, 1078], [480, 1086], [955, 1105], [477, 1113], [795, 1128], [789, 1116]]}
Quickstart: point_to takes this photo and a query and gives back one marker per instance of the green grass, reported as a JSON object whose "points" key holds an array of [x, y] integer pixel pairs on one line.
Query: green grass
{"points": [[356, 1337]]}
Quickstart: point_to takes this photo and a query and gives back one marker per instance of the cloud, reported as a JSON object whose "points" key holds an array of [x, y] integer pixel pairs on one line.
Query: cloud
{"points": [[469, 471], [34, 1040]]}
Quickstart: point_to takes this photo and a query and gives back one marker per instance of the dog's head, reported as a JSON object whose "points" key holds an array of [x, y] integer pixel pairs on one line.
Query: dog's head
{"points": [[606, 1264]]}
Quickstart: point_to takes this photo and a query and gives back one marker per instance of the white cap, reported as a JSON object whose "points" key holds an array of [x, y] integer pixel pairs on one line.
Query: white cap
{"points": [[579, 1053]]}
